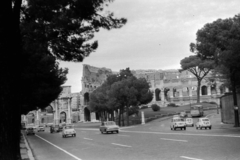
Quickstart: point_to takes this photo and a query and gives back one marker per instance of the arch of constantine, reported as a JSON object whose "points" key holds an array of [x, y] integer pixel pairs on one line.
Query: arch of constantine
{"points": [[168, 86]]}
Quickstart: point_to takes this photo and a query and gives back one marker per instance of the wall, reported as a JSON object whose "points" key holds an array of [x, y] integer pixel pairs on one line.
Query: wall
{"points": [[227, 110]]}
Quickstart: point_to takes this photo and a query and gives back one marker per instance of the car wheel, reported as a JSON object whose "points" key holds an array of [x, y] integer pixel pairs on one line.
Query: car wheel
{"points": [[171, 128], [184, 128], [102, 132], [210, 127], [117, 131], [205, 127], [174, 128], [196, 127], [201, 128], [192, 125], [62, 136]]}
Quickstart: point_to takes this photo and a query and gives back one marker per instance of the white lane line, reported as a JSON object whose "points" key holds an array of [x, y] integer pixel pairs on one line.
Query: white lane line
{"points": [[174, 140], [59, 148], [121, 145], [88, 139], [124, 135], [190, 158], [185, 134]]}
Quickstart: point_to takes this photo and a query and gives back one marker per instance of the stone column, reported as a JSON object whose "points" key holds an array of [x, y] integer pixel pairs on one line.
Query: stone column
{"points": [[69, 119], [37, 118], [226, 89], [162, 97], [209, 90], [81, 115], [143, 118], [93, 117], [218, 89], [154, 96]]}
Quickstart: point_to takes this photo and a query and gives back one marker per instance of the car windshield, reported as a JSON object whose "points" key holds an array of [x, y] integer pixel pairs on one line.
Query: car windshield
{"points": [[69, 127], [110, 123], [205, 119], [178, 120]]}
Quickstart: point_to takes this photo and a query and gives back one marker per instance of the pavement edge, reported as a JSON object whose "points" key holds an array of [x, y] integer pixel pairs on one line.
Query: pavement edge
{"points": [[29, 150]]}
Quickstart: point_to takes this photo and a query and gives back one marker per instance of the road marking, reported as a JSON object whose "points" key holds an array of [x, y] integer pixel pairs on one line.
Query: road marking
{"points": [[190, 158], [185, 134], [124, 135], [121, 145], [59, 148], [174, 140], [88, 139]]}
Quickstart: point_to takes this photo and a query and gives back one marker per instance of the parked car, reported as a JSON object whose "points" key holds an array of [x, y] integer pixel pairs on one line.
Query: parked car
{"points": [[176, 116], [41, 128], [203, 123], [55, 128], [183, 114], [30, 131], [177, 122], [49, 124], [189, 122], [109, 126], [68, 130]]}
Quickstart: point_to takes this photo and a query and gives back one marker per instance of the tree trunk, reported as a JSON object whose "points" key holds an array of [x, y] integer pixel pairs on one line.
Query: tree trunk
{"points": [[119, 117], [127, 116], [235, 105], [123, 124], [198, 90], [10, 81]]}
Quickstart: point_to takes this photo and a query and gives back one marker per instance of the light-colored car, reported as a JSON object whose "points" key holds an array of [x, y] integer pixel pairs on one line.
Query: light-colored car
{"points": [[176, 116], [183, 114], [30, 130], [40, 128], [177, 122], [189, 122], [68, 130], [49, 124], [203, 123], [109, 126]]}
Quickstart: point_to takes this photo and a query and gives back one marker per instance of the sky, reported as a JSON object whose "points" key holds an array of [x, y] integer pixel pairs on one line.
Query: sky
{"points": [[157, 35]]}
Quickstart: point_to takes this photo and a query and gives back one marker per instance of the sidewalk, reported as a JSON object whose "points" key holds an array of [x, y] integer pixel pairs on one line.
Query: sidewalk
{"points": [[25, 151], [216, 122]]}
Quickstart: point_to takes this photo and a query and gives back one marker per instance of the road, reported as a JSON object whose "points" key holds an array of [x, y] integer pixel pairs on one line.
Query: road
{"points": [[152, 141]]}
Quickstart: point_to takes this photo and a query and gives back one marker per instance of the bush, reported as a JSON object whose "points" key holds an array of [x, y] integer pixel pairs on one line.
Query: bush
{"points": [[155, 107], [133, 110], [172, 105], [144, 107]]}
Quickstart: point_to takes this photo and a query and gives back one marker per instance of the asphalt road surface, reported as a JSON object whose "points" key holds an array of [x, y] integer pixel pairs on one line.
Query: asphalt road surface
{"points": [[152, 141]]}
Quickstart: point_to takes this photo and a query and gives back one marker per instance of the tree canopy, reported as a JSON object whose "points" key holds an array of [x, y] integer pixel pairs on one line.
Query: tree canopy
{"points": [[33, 34], [121, 92], [66, 28], [198, 67], [220, 41]]}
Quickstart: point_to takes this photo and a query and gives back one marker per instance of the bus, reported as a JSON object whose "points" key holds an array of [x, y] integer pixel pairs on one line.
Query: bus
{"points": [[196, 111]]}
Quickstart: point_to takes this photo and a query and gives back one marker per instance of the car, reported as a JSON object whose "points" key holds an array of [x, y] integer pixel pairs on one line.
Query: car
{"points": [[109, 126], [30, 131], [203, 123], [177, 122], [41, 128], [189, 122], [49, 124], [55, 128], [68, 130], [183, 114], [176, 116]]}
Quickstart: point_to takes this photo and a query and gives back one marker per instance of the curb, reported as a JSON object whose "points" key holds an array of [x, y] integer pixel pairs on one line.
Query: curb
{"points": [[29, 155]]}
